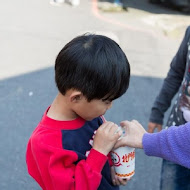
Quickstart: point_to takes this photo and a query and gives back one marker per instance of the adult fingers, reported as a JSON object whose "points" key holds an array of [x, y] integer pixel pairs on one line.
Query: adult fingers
{"points": [[125, 123], [120, 142], [136, 122]]}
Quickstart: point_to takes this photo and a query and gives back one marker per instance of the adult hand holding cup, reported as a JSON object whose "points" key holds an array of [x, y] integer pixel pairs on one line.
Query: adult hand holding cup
{"points": [[134, 132], [124, 159]]}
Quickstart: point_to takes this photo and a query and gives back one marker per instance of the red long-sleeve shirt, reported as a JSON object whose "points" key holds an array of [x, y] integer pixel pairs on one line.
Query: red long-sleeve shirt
{"points": [[60, 156]]}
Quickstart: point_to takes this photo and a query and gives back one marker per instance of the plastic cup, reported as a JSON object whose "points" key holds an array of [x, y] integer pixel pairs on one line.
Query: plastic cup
{"points": [[124, 161]]}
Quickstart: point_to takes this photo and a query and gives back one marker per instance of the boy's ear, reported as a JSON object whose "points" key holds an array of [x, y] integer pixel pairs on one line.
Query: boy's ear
{"points": [[75, 96]]}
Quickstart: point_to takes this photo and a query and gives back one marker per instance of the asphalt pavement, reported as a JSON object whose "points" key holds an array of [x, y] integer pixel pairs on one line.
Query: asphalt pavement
{"points": [[33, 32]]}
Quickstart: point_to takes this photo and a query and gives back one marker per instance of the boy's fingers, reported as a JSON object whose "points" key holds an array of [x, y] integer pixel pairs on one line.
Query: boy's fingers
{"points": [[117, 131], [113, 128], [114, 182], [125, 181], [106, 125], [122, 181], [117, 182], [113, 175]]}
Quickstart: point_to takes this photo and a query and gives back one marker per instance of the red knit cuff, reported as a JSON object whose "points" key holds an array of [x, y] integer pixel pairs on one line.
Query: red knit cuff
{"points": [[96, 160]]}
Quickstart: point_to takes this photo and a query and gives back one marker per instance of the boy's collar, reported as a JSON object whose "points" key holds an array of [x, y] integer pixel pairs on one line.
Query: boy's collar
{"points": [[57, 124]]}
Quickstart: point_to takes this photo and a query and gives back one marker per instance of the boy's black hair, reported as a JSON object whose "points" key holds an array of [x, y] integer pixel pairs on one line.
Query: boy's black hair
{"points": [[94, 65]]}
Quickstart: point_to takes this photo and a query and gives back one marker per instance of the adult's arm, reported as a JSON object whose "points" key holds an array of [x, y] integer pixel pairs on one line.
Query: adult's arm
{"points": [[171, 83], [171, 144]]}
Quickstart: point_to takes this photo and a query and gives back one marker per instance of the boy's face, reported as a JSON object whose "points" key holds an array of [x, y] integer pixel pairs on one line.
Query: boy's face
{"points": [[90, 110]]}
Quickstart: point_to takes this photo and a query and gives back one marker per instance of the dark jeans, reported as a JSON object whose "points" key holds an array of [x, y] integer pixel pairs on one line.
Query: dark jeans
{"points": [[174, 177]]}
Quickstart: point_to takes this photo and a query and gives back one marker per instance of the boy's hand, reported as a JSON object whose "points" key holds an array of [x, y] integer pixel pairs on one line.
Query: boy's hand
{"points": [[117, 180], [106, 136]]}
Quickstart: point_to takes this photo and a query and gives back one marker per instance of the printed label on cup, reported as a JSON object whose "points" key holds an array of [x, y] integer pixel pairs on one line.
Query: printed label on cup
{"points": [[124, 161]]}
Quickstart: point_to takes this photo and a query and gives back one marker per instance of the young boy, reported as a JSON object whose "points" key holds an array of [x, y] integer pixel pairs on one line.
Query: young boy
{"points": [[70, 147]]}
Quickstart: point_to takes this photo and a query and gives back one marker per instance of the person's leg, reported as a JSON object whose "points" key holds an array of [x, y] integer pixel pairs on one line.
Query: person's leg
{"points": [[174, 177]]}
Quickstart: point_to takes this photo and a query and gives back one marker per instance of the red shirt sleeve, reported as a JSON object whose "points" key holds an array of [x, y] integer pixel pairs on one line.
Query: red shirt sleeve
{"points": [[55, 169], [110, 160], [86, 175]]}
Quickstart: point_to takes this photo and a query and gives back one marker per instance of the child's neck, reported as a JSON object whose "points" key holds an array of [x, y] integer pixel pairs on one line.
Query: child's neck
{"points": [[60, 109]]}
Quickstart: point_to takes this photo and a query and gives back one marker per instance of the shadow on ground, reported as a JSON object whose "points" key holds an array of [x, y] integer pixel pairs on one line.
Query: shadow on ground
{"points": [[149, 7], [24, 99]]}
